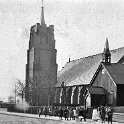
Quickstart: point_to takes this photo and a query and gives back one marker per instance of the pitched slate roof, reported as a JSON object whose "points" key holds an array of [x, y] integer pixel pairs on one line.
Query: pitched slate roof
{"points": [[116, 71], [81, 71]]}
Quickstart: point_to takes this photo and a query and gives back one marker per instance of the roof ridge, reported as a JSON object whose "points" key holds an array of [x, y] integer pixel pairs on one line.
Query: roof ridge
{"points": [[101, 53], [90, 56]]}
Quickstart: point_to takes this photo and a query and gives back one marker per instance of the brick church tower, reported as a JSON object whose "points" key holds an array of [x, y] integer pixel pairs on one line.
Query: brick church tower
{"points": [[41, 67]]}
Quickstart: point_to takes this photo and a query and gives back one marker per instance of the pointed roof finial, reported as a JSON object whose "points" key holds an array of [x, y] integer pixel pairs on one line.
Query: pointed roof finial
{"points": [[106, 48], [107, 44], [106, 53], [42, 15]]}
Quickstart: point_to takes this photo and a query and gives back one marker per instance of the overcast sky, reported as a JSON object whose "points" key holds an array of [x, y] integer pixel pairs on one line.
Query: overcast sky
{"points": [[81, 27]]}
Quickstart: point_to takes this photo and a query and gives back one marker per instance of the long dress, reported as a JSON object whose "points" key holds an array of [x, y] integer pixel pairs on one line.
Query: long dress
{"points": [[95, 115]]}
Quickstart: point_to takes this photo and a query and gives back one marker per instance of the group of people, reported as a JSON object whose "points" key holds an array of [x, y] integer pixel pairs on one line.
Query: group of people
{"points": [[104, 113], [44, 111], [68, 113], [73, 113]]}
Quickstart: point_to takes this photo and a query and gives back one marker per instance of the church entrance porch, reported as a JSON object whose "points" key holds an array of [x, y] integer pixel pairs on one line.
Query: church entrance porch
{"points": [[98, 96], [98, 100]]}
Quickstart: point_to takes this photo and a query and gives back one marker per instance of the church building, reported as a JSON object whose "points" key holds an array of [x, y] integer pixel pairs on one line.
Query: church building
{"points": [[41, 67], [94, 80], [90, 81]]}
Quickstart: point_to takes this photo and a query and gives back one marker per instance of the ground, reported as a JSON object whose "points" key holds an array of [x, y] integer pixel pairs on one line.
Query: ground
{"points": [[8, 118]]}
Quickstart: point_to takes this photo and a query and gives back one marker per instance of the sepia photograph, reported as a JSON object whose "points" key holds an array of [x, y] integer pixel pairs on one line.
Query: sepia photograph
{"points": [[61, 61]]}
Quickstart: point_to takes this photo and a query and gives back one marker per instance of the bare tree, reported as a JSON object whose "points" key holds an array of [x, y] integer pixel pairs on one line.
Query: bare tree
{"points": [[19, 89]]}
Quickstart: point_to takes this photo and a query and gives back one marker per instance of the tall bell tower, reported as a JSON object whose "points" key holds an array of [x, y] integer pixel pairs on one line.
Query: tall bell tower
{"points": [[41, 67]]}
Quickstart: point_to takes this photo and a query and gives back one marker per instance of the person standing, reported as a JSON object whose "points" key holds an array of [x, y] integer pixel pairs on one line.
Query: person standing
{"points": [[81, 114], [110, 115], [61, 113], [45, 111], [95, 115], [39, 112], [66, 113], [85, 114], [71, 113], [74, 114], [102, 114]]}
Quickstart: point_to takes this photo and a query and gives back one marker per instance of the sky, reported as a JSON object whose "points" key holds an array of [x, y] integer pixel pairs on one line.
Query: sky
{"points": [[81, 27]]}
